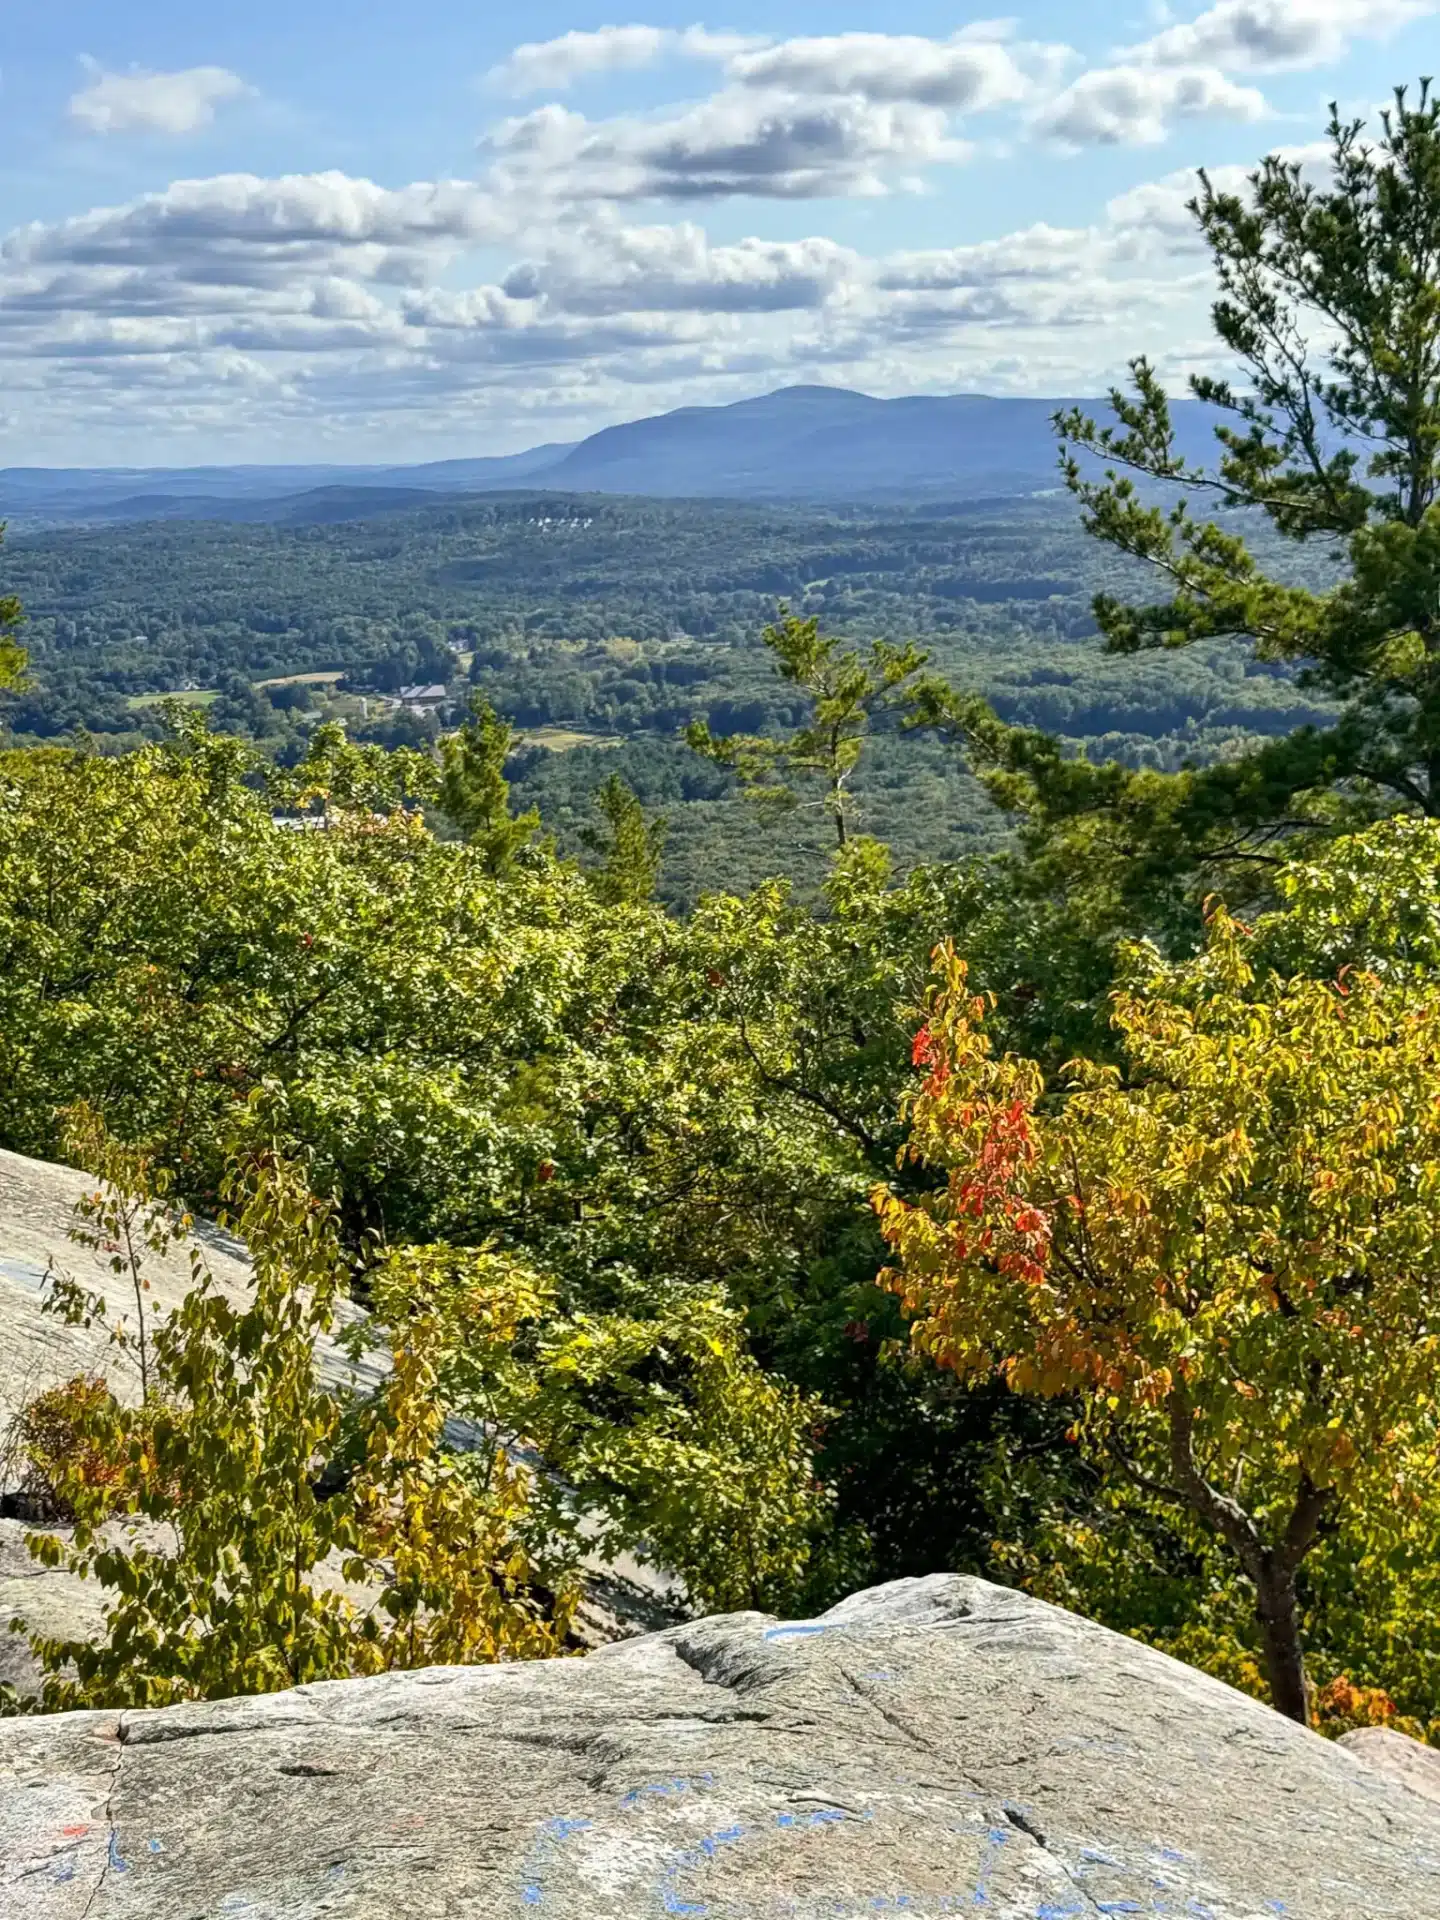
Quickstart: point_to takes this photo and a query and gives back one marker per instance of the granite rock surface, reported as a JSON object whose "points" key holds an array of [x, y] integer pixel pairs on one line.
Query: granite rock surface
{"points": [[1398, 1757], [37, 1350], [937, 1746]]}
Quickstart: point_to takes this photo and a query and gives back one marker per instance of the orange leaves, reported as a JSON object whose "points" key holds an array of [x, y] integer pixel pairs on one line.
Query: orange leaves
{"points": [[1155, 1390], [1250, 1207]]}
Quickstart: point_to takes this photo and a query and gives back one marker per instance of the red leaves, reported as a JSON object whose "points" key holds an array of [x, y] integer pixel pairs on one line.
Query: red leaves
{"points": [[928, 1051]]}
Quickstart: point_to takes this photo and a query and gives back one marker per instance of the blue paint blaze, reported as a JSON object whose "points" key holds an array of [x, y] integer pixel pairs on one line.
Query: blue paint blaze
{"points": [[712, 1842], [555, 1831], [562, 1829], [663, 1789], [999, 1838], [794, 1633], [116, 1864]]}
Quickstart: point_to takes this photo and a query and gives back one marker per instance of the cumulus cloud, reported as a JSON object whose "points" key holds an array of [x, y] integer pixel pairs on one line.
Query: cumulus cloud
{"points": [[1041, 252], [674, 269], [1136, 105], [1185, 71], [1267, 36], [966, 72], [144, 102], [243, 230], [553, 65], [774, 146]]}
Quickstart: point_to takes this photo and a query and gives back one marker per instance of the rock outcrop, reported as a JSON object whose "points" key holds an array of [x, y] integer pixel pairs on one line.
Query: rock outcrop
{"points": [[934, 1747], [38, 1350], [1399, 1758]]}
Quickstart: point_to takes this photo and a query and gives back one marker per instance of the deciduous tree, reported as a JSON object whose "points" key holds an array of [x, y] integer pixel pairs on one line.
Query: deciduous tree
{"points": [[1228, 1253], [235, 1589]]}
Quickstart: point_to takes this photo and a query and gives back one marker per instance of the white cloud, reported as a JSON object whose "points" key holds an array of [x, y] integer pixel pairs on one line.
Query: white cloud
{"points": [[978, 67], [963, 73], [1040, 252], [675, 269], [773, 146], [145, 102], [242, 230], [1267, 36], [1136, 105], [1185, 71], [544, 65]]}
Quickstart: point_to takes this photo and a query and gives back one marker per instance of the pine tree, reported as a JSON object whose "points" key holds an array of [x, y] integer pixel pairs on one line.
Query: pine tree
{"points": [[629, 846], [474, 793]]}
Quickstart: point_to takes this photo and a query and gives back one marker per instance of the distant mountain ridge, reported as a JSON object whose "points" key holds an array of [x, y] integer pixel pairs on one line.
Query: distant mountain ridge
{"points": [[801, 443]]}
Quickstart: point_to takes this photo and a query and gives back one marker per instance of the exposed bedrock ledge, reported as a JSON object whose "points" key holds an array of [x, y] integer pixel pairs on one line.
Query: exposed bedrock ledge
{"points": [[937, 1746]]}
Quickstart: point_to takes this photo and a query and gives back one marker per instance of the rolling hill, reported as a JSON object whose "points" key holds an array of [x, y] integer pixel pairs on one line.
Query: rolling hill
{"points": [[802, 443]]}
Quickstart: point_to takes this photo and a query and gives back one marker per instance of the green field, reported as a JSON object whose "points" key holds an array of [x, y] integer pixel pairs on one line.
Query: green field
{"points": [[188, 697]]}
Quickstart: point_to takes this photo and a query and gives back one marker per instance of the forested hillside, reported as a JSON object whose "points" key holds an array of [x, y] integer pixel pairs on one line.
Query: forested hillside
{"points": [[621, 621]]}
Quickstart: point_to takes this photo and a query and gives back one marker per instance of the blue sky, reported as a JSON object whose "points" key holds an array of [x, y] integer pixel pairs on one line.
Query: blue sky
{"points": [[309, 231]]}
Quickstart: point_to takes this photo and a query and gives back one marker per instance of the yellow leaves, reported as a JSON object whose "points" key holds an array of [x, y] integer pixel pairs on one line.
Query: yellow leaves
{"points": [[1242, 1223], [1155, 1389]]}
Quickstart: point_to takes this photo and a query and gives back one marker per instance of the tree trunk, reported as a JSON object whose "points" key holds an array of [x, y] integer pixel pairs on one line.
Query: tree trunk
{"points": [[1278, 1612], [1269, 1569]]}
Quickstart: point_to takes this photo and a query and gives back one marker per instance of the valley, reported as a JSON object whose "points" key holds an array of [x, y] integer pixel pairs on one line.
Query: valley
{"points": [[602, 625]]}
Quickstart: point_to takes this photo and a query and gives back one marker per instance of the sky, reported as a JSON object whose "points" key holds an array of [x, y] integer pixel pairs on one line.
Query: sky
{"points": [[301, 230]]}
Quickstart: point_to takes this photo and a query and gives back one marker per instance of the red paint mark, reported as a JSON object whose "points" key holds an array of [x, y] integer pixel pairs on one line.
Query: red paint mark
{"points": [[73, 1833]]}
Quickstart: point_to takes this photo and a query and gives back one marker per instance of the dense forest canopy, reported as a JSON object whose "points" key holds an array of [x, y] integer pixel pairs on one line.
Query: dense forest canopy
{"points": [[621, 622]]}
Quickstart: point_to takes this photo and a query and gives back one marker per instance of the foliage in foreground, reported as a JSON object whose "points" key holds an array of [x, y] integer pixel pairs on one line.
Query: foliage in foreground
{"points": [[265, 1492], [237, 1589], [1226, 1253], [652, 1114]]}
